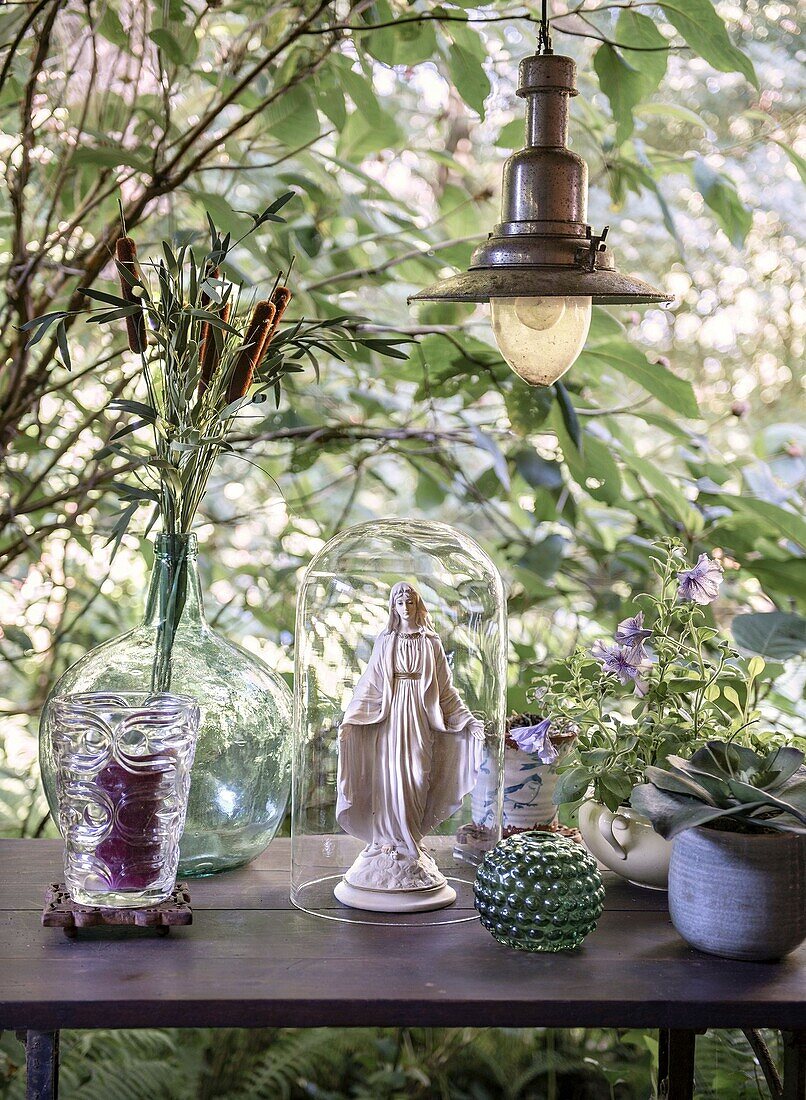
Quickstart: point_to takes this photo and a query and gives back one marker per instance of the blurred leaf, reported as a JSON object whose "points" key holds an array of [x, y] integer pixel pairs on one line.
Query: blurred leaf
{"points": [[528, 406], [569, 415], [544, 557], [592, 466], [671, 110], [292, 118], [781, 577], [771, 634], [665, 487], [721, 196], [110, 26], [330, 97], [486, 443], [406, 44], [17, 636], [367, 133], [629, 77], [219, 209], [168, 44], [538, 471], [703, 29], [109, 157], [796, 158], [787, 524], [512, 135], [640, 177], [676, 393], [468, 77], [622, 85]]}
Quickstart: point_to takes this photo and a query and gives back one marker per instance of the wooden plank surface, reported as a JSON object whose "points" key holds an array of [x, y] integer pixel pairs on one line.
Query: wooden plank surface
{"points": [[262, 885], [250, 959]]}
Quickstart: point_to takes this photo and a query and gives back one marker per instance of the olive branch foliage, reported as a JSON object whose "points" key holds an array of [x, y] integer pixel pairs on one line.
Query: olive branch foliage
{"points": [[210, 359], [193, 420]]}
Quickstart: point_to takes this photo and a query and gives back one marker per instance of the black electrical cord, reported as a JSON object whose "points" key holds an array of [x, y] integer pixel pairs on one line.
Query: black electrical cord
{"points": [[544, 33]]}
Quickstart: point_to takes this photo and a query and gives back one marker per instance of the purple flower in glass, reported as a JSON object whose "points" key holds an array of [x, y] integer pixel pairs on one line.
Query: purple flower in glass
{"points": [[700, 584], [619, 660], [631, 632], [535, 740]]}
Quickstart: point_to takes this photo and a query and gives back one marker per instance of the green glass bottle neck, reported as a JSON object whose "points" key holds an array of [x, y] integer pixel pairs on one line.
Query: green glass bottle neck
{"points": [[174, 593]]}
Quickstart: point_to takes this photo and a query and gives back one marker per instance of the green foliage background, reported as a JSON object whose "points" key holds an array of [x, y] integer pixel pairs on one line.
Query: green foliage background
{"points": [[391, 121], [381, 1064]]}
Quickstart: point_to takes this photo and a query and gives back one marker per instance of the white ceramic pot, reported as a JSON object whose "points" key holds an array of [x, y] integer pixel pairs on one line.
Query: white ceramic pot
{"points": [[626, 843], [739, 895]]}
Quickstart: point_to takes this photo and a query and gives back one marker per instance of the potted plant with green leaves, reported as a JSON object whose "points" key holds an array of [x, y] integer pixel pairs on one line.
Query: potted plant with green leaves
{"points": [[665, 683], [737, 880], [214, 357]]}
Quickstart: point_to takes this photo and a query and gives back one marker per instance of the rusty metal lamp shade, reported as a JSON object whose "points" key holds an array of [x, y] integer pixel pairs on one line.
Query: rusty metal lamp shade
{"points": [[543, 246]]}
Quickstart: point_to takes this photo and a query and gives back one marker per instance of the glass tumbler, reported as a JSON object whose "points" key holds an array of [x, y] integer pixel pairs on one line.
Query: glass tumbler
{"points": [[123, 764]]}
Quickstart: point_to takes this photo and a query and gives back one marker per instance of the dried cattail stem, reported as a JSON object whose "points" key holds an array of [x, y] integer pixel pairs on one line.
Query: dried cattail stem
{"points": [[280, 298], [126, 255], [250, 353], [209, 355]]}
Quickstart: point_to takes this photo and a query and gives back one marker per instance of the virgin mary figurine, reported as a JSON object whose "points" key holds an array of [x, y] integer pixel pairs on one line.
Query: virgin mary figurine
{"points": [[409, 752]]}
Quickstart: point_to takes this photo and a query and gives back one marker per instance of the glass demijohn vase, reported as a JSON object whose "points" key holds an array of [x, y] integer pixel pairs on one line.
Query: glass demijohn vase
{"points": [[241, 774]]}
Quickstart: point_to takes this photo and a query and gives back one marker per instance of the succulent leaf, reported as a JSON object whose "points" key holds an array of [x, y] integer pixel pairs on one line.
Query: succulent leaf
{"points": [[670, 814], [725, 781], [678, 783], [784, 761]]}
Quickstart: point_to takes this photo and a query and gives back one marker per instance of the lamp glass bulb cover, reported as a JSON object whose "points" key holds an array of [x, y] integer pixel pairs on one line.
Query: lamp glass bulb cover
{"points": [[540, 338]]}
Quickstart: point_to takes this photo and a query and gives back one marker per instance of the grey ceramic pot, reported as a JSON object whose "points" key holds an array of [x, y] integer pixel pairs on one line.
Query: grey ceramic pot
{"points": [[739, 895]]}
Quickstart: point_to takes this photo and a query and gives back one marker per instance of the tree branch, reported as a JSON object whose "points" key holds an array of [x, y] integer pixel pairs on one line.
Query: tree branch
{"points": [[412, 254], [509, 17]]}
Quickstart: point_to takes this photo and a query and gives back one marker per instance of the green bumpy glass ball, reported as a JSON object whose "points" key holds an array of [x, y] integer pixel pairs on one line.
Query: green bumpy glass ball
{"points": [[539, 891]]}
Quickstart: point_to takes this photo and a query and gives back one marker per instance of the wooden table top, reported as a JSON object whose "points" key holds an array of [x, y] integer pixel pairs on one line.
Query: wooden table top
{"points": [[251, 959]]}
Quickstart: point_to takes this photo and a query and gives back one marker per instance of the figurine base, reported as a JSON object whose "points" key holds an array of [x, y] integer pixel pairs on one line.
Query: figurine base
{"points": [[385, 869], [395, 901]]}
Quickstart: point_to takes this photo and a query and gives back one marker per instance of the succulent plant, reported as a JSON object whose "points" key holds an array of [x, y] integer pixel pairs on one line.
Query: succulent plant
{"points": [[728, 784], [539, 892]]}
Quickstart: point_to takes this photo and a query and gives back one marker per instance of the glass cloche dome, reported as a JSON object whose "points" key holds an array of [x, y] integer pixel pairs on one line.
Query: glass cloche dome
{"points": [[399, 706]]}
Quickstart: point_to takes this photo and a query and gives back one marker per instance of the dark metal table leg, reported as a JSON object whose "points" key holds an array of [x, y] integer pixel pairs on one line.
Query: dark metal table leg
{"points": [[42, 1065], [676, 1064], [794, 1065]]}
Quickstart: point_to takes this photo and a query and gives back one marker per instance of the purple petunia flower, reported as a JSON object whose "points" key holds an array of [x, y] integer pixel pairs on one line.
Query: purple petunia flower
{"points": [[619, 660], [631, 632], [536, 741], [641, 687], [700, 584]]}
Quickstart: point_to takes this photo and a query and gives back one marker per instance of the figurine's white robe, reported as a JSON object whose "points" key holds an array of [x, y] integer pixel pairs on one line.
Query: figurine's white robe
{"points": [[407, 750]]}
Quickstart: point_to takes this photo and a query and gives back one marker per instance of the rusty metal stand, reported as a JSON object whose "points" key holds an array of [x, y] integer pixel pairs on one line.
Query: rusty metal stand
{"points": [[61, 911]]}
